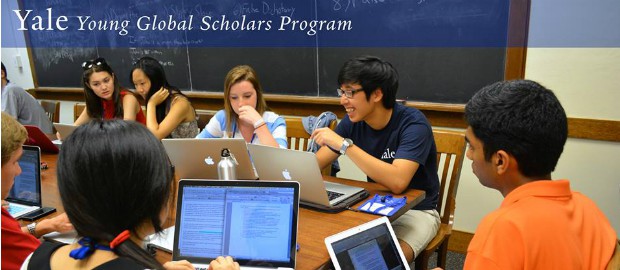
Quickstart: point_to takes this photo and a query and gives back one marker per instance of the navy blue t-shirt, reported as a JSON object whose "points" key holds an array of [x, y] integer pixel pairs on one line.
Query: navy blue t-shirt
{"points": [[409, 136]]}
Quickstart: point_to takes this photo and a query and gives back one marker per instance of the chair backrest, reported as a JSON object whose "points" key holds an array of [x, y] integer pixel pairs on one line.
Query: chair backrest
{"points": [[77, 110], [450, 155], [52, 110], [298, 138], [203, 118], [296, 135]]}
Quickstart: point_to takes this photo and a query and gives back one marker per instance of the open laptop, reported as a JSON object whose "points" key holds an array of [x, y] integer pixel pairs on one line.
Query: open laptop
{"points": [[64, 129], [372, 245], [36, 137], [25, 196], [198, 158], [285, 164], [255, 222]]}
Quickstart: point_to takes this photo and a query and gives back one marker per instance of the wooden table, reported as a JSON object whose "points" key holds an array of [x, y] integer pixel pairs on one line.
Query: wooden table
{"points": [[313, 226]]}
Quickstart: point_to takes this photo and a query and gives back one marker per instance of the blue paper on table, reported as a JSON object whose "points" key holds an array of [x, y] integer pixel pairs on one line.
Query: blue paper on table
{"points": [[383, 205]]}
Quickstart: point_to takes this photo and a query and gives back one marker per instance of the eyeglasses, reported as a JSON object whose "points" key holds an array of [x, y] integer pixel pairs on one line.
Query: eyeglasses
{"points": [[89, 64], [348, 93]]}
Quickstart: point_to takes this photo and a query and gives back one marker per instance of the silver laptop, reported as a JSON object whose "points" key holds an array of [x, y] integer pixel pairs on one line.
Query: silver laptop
{"points": [[285, 164], [372, 245], [25, 196], [64, 129], [198, 158], [255, 222]]}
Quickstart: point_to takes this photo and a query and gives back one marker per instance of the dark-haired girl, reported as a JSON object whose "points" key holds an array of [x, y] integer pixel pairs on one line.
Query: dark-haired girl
{"points": [[105, 98], [115, 192], [168, 112]]}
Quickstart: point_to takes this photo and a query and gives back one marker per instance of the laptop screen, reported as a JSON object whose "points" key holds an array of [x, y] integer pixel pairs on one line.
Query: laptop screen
{"points": [[370, 248], [254, 222], [27, 186]]}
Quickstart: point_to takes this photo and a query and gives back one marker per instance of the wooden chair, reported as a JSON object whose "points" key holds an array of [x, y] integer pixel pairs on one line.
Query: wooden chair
{"points": [[296, 135], [450, 153], [298, 138], [614, 263], [77, 110], [52, 110], [203, 118]]}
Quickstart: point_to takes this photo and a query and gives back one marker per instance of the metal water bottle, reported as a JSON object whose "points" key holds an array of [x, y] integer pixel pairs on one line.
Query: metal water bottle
{"points": [[227, 167]]}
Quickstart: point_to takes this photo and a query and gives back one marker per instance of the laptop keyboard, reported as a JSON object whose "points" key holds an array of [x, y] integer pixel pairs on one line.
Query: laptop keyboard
{"points": [[13, 209], [333, 195]]}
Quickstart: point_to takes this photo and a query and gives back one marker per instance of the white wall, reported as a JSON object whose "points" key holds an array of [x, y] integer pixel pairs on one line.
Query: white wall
{"points": [[21, 76], [14, 59]]}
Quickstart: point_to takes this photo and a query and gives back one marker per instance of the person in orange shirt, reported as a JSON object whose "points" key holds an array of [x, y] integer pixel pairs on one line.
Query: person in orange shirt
{"points": [[516, 134]]}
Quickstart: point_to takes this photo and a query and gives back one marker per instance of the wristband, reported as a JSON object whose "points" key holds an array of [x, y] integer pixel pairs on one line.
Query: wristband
{"points": [[259, 123]]}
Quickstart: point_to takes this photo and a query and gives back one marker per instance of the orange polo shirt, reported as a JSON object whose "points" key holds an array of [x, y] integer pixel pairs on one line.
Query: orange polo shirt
{"points": [[543, 225]]}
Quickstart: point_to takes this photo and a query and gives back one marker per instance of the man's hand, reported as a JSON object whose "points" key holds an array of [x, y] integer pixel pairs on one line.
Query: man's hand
{"points": [[326, 136], [221, 263], [60, 223], [179, 265]]}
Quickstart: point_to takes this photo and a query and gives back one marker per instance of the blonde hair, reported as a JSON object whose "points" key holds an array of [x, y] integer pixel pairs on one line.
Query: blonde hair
{"points": [[239, 74], [13, 136]]}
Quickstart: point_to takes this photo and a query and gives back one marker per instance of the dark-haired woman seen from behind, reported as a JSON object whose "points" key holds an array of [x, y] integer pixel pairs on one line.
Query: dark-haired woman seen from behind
{"points": [[168, 112], [105, 98], [108, 215]]}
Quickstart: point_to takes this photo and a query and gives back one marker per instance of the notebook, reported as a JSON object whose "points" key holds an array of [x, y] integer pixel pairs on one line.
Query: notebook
{"points": [[285, 164], [25, 196], [64, 129], [372, 245], [36, 137], [198, 158], [255, 222]]}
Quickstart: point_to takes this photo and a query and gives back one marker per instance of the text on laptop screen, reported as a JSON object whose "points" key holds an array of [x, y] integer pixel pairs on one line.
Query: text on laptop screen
{"points": [[247, 223], [25, 187], [370, 249]]}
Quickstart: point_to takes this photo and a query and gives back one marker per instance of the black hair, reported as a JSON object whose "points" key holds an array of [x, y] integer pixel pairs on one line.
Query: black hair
{"points": [[371, 73], [522, 118], [5, 74], [93, 102], [156, 74], [109, 185]]}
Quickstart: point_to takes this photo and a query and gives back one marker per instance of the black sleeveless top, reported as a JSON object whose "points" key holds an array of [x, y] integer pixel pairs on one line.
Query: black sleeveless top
{"points": [[40, 259]]}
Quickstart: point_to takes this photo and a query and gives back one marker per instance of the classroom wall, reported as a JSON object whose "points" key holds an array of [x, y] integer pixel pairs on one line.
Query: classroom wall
{"points": [[585, 80], [15, 60], [574, 52], [21, 76]]}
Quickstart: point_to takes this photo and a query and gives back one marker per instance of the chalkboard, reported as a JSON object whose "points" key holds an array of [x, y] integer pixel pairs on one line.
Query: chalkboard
{"points": [[444, 50]]}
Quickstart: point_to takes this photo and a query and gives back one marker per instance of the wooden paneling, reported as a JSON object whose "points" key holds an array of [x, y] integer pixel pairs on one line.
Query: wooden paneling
{"points": [[518, 26], [439, 114], [594, 129]]}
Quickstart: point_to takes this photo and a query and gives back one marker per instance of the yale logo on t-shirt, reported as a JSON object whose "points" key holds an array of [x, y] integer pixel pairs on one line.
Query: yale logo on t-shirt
{"points": [[387, 154]]}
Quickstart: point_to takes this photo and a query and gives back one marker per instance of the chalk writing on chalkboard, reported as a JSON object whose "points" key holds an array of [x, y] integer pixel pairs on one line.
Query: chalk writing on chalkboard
{"points": [[444, 50]]}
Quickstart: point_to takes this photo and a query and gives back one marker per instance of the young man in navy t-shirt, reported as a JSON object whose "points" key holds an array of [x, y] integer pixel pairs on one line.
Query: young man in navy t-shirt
{"points": [[392, 144]]}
